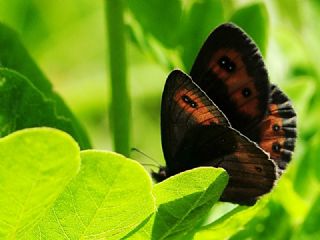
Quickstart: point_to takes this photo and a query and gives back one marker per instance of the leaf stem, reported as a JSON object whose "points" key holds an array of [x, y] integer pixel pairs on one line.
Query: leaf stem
{"points": [[120, 100]]}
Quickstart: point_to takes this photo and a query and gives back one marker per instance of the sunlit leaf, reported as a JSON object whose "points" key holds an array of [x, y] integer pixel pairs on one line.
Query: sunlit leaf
{"points": [[109, 197], [36, 165], [182, 202]]}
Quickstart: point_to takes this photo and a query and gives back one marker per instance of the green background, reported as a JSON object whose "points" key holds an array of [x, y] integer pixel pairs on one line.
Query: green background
{"points": [[68, 40]]}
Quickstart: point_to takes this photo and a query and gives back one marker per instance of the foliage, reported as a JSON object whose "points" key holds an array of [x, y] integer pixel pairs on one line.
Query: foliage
{"points": [[14, 56], [50, 189], [41, 176], [110, 197]]}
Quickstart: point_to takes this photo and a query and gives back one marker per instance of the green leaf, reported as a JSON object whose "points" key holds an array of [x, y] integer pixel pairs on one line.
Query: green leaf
{"points": [[182, 202], [24, 106], [158, 18], [231, 223], [254, 20], [13, 55], [36, 165], [199, 21], [110, 197]]}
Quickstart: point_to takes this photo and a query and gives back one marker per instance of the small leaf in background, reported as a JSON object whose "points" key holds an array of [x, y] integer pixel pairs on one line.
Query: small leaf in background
{"points": [[231, 223], [310, 227], [284, 192], [314, 155], [270, 222], [253, 19], [14, 56], [110, 197], [199, 21], [290, 11], [24, 106], [301, 89], [158, 18], [36, 165], [182, 202]]}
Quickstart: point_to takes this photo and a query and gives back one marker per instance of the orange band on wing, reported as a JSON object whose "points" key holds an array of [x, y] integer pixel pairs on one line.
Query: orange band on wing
{"points": [[238, 82], [200, 112]]}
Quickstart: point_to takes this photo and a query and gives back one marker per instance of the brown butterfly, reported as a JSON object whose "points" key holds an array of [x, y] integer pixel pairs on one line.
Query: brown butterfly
{"points": [[226, 114]]}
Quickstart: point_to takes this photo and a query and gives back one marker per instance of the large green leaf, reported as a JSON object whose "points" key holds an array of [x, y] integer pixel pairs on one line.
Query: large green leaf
{"points": [[254, 20], [36, 165], [110, 197], [22, 105], [14, 56], [182, 202]]}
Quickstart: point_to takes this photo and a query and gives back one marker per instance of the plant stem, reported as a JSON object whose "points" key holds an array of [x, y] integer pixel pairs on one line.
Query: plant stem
{"points": [[120, 100]]}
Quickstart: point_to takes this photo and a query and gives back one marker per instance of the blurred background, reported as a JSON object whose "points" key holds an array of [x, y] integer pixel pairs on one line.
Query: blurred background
{"points": [[68, 40]]}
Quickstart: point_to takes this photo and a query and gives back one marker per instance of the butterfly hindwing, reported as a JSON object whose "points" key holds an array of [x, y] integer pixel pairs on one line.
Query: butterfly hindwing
{"points": [[278, 128], [252, 173], [230, 70], [184, 105]]}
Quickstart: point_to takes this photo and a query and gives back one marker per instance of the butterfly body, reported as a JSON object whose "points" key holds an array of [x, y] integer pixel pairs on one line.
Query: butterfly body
{"points": [[226, 114]]}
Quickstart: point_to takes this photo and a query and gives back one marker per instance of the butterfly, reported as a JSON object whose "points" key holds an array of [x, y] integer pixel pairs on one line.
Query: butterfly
{"points": [[227, 114]]}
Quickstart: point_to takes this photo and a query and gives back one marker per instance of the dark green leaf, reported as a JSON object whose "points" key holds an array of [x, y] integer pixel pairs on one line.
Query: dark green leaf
{"points": [[22, 105], [199, 21], [14, 56], [158, 18]]}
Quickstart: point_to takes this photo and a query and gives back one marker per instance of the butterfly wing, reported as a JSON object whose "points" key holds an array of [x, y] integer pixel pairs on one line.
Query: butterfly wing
{"points": [[278, 128], [184, 105], [252, 173], [230, 70], [196, 133]]}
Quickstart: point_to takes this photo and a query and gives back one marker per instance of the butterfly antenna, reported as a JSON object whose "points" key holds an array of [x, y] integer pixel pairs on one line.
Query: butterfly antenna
{"points": [[155, 163]]}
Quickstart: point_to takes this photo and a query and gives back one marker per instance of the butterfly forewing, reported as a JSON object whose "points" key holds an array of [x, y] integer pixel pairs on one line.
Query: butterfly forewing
{"points": [[184, 105], [230, 70]]}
